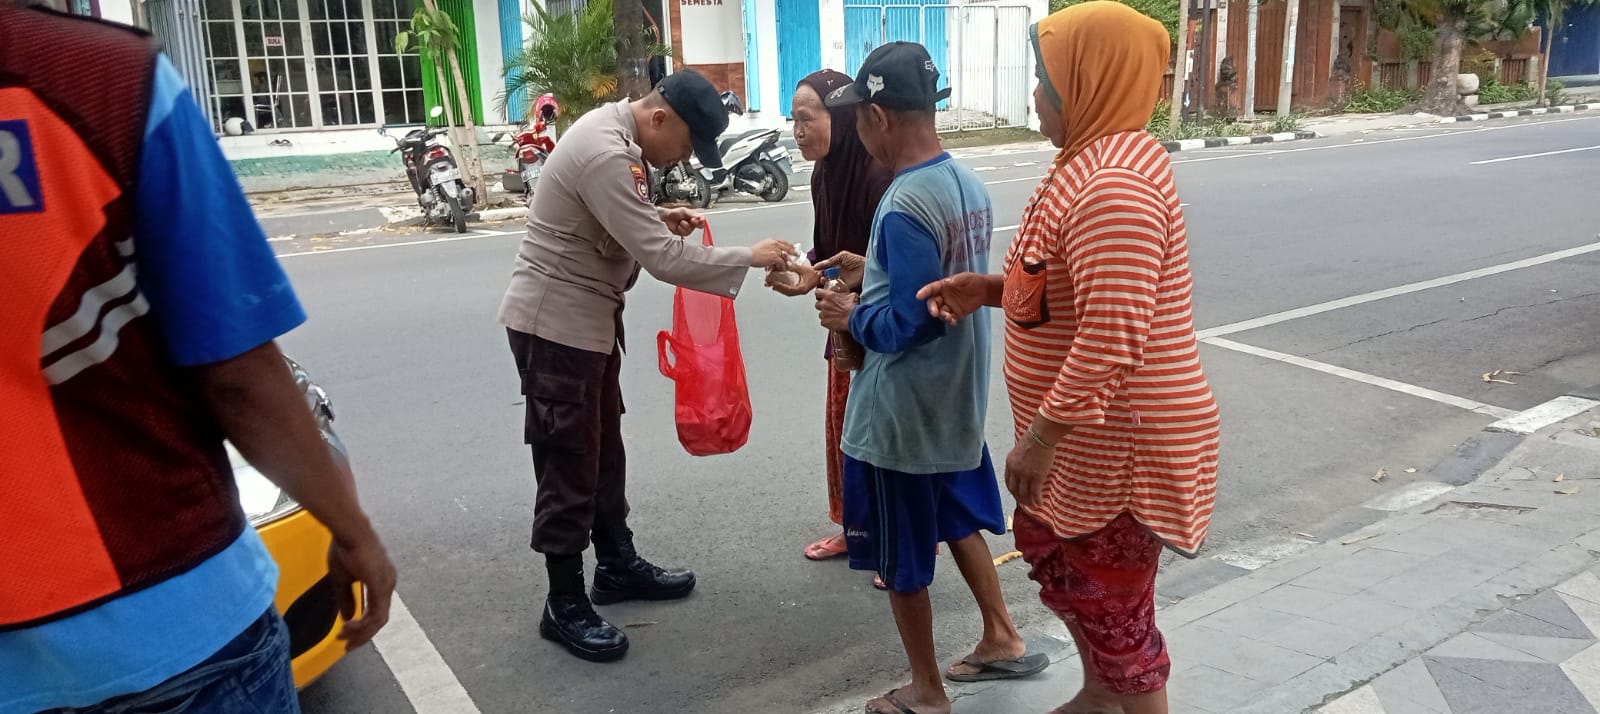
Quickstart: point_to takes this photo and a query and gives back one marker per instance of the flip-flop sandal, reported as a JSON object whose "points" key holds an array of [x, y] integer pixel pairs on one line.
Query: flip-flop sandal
{"points": [[1024, 666], [826, 549], [894, 701]]}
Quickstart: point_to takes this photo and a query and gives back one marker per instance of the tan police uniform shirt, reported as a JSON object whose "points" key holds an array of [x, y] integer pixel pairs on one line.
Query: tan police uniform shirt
{"points": [[591, 226]]}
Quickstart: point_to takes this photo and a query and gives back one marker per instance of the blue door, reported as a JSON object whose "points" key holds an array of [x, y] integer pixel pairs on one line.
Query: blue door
{"points": [[871, 23], [799, 46], [1575, 49]]}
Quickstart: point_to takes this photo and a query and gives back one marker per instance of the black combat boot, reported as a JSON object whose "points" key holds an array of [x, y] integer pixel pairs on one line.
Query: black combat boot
{"points": [[623, 575], [570, 620]]}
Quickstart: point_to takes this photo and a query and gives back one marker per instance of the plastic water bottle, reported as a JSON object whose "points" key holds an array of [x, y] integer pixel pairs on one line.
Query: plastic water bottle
{"points": [[847, 353]]}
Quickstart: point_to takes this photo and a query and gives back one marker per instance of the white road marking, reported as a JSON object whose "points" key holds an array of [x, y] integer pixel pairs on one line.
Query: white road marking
{"points": [[1363, 377], [1331, 305], [1534, 156], [1409, 495], [1531, 420], [423, 675]]}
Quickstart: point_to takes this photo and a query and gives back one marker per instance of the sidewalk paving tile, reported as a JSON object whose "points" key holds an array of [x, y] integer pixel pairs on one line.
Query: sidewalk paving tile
{"points": [[1434, 582], [1585, 586], [1211, 689], [1554, 650], [1359, 571], [1468, 645], [1412, 683], [1303, 601], [1499, 687], [1240, 655]]}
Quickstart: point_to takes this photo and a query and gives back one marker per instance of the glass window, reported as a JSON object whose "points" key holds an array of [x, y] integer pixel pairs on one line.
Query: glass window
{"points": [[298, 64]]}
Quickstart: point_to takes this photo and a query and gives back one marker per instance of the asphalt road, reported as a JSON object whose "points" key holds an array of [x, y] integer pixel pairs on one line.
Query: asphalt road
{"points": [[403, 337]]}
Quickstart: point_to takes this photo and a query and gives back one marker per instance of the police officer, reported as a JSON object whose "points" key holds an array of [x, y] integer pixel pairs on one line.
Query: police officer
{"points": [[591, 227]]}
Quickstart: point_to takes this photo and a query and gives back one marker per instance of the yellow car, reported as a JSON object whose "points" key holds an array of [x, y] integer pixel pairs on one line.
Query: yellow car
{"points": [[299, 544]]}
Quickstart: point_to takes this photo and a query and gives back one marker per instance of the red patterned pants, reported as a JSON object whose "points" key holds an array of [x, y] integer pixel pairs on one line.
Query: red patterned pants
{"points": [[833, 431], [1103, 586]]}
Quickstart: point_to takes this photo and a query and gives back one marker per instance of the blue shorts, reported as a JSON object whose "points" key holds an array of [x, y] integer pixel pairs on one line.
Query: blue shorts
{"points": [[894, 522]]}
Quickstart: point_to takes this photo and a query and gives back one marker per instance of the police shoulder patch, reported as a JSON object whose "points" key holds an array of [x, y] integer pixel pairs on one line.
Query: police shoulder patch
{"points": [[641, 182]]}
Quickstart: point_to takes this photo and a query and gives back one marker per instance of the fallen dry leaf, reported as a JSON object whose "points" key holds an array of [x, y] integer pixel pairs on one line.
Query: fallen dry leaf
{"points": [[1380, 476], [1411, 471], [1305, 535], [1560, 478], [1569, 490], [1008, 557], [1494, 377], [1357, 538]]}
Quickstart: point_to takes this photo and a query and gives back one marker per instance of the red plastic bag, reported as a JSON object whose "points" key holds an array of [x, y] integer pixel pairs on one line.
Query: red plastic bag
{"points": [[702, 356]]}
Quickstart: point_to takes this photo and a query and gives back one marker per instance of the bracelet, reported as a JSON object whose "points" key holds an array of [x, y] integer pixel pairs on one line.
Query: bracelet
{"points": [[1038, 439]]}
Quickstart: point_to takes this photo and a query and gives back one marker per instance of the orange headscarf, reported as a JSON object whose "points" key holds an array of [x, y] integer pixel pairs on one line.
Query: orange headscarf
{"points": [[1102, 63]]}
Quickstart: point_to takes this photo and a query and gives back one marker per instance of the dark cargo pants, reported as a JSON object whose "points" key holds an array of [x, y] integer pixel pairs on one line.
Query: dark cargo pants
{"points": [[573, 423]]}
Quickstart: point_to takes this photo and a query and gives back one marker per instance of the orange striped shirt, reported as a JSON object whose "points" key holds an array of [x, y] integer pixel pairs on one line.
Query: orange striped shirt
{"points": [[1099, 336]]}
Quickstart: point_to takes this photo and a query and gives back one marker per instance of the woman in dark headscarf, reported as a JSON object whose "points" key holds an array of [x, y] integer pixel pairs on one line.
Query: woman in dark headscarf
{"points": [[846, 185]]}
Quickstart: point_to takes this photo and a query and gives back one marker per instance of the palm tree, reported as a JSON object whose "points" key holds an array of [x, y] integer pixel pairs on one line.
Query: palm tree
{"points": [[572, 55], [433, 32]]}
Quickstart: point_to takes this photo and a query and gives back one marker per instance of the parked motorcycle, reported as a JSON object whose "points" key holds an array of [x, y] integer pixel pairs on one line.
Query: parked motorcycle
{"points": [[752, 163], [434, 175], [532, 145]]}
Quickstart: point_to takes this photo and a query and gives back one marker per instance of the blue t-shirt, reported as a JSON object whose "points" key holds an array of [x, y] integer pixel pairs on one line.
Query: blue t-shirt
{"points": [[918, 403], [217, 291]]}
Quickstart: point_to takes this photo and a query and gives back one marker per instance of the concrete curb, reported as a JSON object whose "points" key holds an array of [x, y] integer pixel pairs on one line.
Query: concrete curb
{"points": [[1564, 109], [1219, 142], [500, 214]]}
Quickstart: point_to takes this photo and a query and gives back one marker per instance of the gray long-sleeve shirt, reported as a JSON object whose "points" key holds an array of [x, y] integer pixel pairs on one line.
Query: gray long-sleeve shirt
{"points": [[591, 227]]}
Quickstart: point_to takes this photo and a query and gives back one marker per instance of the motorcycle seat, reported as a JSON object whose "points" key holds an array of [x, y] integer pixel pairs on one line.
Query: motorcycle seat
{"points": [[722, 146]]}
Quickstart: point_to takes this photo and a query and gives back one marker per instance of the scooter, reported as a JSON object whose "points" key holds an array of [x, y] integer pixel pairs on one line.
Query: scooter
{"points": [[434, 175], [753, 163], [532, 145]]}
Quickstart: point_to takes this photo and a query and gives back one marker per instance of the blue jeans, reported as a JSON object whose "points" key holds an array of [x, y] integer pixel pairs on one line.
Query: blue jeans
{"points": [[249, 675]]}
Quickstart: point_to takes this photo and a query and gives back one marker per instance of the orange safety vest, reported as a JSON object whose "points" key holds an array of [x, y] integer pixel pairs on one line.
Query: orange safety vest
{"points": [[112, 472]]}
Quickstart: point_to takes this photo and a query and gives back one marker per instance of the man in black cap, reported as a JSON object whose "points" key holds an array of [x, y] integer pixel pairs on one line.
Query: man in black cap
{"points": [[591, 226], [916, 469]]}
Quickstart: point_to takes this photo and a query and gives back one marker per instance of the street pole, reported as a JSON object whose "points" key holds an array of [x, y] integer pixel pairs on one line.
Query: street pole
{"points": [[1291, 21], [1250, 60], [1180, 65]]}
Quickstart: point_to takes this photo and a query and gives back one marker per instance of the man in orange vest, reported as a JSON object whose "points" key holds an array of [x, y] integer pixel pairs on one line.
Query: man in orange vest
{"points": [[139, 304]]}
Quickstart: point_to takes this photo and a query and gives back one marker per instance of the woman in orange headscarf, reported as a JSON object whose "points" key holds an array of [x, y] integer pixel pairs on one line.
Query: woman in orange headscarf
{"points": [[1116, 430]]}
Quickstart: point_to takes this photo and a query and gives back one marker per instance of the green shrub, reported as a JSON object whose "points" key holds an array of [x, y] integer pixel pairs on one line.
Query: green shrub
{"points": [[1379, 100]]}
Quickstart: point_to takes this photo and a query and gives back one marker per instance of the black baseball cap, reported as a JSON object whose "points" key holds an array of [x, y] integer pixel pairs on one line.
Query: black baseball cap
{"points": [[697, 102], [899, 75]]}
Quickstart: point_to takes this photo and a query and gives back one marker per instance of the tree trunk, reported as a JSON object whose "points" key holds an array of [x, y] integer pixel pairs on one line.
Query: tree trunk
{"points": [[1442, 97], [1547, 40], [1291, 31], [466, 141], [474, 159], [633, 76], [1180, 66], [1251, 24]]}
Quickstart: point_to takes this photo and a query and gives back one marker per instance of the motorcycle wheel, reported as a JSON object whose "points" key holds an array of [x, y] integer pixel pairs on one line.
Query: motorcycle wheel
{"points": [[701, 190], [780, 182], [458, 215]]}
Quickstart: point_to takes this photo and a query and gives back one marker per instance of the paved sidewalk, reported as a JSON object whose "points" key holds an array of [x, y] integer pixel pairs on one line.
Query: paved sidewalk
{"points": [[1478, 600]]}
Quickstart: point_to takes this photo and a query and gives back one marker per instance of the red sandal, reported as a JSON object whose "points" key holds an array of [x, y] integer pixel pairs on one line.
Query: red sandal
{"points": [[827, 548]]}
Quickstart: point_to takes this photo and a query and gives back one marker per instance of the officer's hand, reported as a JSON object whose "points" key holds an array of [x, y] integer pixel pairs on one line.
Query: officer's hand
{"points": [[682, 221], [773, 253]]}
